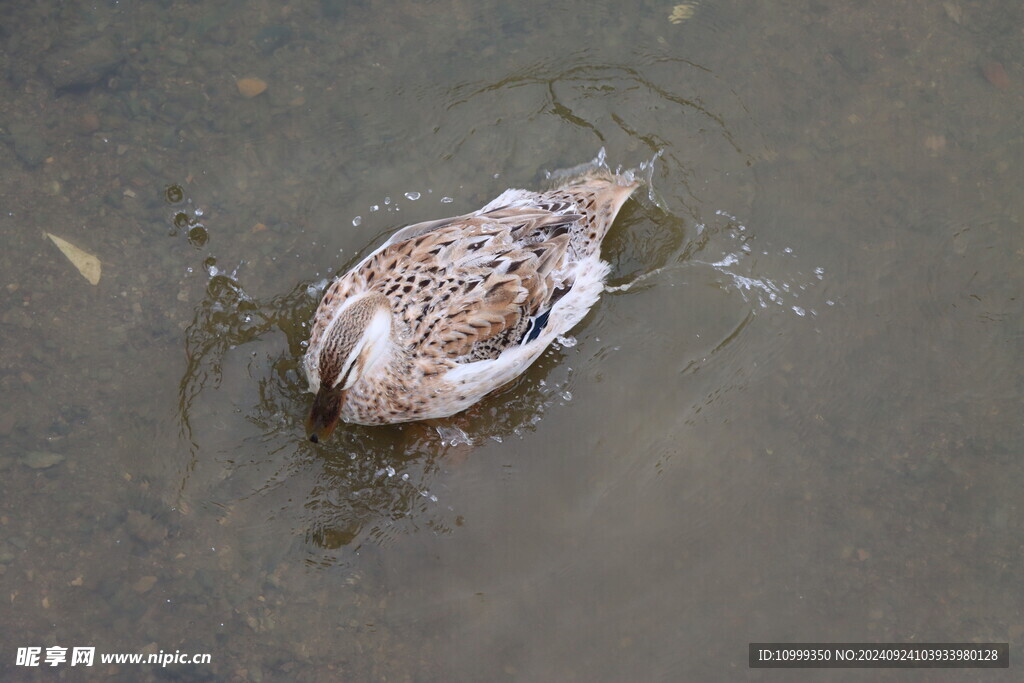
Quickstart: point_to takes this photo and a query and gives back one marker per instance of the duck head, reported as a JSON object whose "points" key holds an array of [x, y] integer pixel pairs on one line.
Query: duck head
{"points": [[353, 342]]}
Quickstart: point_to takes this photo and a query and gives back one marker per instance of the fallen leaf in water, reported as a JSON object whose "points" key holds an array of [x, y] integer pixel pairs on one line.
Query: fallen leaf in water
{"points": [[954, 11], [87, 264]]}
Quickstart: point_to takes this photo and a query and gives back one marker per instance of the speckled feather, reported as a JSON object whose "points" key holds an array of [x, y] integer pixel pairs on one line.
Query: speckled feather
{"points": [[464, 295]]}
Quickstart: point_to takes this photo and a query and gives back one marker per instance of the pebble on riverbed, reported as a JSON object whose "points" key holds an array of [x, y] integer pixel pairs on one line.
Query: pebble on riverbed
{"points": [[78, 66], [996, 74], [251, 87]]}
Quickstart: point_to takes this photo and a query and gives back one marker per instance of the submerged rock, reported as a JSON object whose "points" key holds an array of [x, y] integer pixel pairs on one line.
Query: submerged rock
{"points": [[40, 460], [272, 38], [28, 145], [81, 66]]}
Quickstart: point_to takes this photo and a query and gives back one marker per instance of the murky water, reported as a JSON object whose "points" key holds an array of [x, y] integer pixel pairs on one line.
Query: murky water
{"points": [[795, 415]]}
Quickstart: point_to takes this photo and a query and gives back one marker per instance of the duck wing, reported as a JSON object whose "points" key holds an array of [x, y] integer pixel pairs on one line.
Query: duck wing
{"points": [[471, 286]]}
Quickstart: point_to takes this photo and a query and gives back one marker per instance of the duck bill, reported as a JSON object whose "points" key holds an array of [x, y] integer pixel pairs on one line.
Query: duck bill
{"points": [[324, 415]]}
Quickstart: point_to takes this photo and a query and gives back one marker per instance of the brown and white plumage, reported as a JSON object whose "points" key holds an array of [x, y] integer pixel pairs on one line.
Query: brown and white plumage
{"points": [[447, 311]]}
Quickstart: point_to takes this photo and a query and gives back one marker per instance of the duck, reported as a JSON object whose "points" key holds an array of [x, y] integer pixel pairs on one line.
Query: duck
{"points": [[447, 311]]}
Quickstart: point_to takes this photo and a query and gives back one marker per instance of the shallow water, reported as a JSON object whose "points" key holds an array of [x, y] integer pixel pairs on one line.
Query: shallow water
{"points": [[795, 415]]}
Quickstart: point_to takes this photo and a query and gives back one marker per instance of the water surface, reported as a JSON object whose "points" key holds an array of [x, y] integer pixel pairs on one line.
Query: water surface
{"points": [[795, 415]]}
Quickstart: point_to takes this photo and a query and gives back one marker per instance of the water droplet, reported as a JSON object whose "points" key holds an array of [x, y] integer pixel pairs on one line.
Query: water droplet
{"points": [[197, 235], [174, 194], [412, 196]]}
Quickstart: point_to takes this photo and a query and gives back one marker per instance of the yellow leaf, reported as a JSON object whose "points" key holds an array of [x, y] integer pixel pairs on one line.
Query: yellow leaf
{"points": [[87, 264]]}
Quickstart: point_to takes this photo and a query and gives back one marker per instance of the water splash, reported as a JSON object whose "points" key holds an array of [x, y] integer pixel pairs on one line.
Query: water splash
{"points": [[737, 264], [453, 435], [760, 290]]}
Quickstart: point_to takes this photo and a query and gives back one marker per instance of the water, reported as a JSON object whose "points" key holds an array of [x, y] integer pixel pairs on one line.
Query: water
{"points": [[794, 416]]}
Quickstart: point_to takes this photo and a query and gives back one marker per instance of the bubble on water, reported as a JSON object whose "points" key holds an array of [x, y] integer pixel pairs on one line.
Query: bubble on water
{"points": [[566, 395], [566, 341], [357, 221], [375, 207], [412, 196], [447, 200]]}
